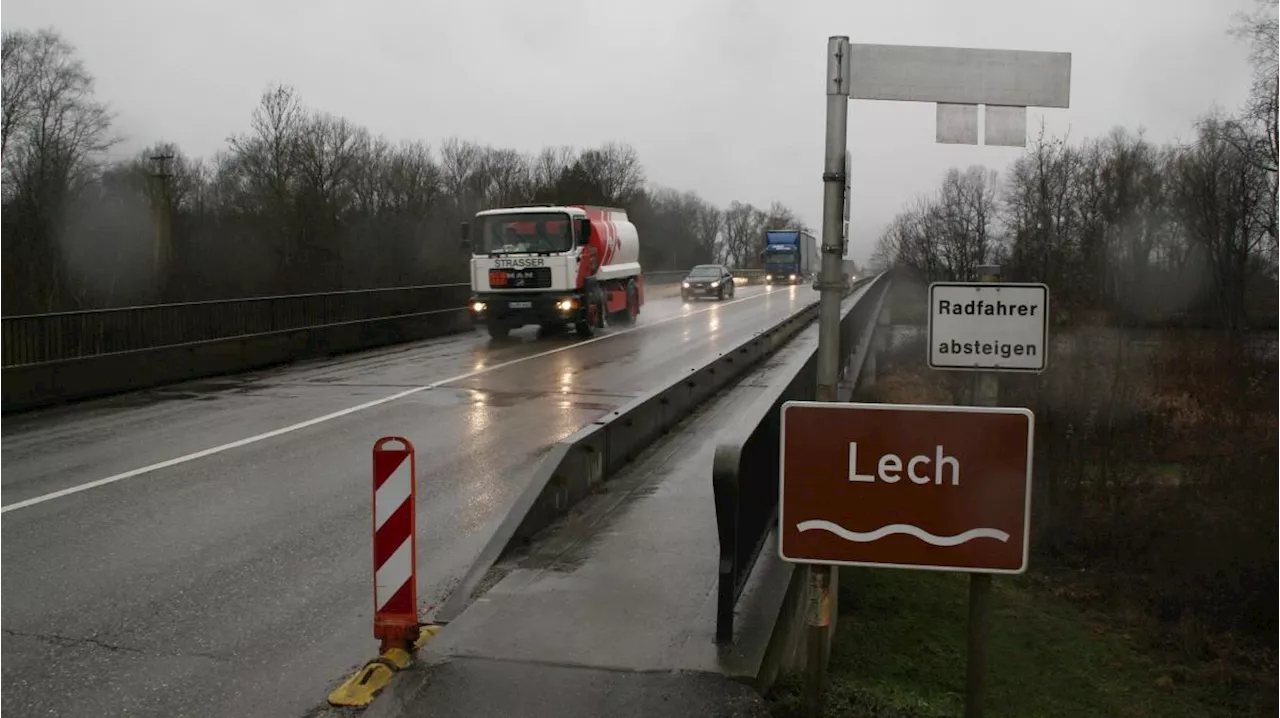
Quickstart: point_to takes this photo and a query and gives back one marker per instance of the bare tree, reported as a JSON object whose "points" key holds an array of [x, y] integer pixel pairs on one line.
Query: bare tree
{"points": [[265, 168], [20, 77], [55, 134], [708, 228], [1218, 196], [743, 230], [1256, 131], [547, 169]]}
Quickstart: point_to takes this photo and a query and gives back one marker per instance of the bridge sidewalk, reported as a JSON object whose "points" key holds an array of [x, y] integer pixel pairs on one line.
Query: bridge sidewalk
{"points": [[612, 610]]}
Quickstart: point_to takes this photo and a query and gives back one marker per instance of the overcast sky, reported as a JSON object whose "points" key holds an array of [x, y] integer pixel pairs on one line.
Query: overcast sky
{"points": [[724, 97]]}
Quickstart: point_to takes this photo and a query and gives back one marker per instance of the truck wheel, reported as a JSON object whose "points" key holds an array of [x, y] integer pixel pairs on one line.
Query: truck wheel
{"points": [[586, 327], [627, 317], [633, 302], [498, 330]]}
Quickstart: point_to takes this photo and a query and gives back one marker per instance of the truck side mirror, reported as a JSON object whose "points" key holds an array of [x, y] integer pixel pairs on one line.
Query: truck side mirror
{"points": [[466, 235], [584, 231]]}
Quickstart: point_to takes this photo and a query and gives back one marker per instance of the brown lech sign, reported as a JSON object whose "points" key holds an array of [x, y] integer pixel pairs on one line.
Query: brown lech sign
{"points": [[907, 486]]}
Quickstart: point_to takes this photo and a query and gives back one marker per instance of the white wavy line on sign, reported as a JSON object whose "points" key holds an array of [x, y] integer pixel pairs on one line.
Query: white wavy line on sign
{"points": [[869, 536]]}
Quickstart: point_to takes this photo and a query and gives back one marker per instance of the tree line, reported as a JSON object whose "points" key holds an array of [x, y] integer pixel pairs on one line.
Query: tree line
{"points": [[1117, 224], [301, 201], [1120, 224]]}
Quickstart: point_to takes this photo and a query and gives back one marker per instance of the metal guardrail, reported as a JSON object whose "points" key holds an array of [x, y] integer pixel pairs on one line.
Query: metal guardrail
{"points": [[65, 356], [575, 467], [63, 336], [744, 473]]}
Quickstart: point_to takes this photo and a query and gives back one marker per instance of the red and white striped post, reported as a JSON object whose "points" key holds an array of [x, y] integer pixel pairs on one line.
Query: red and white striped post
{"points": [[395, 544]]}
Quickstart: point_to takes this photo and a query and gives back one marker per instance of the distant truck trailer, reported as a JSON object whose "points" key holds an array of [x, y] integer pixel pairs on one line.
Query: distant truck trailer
{"points": [[850, 271], [790, 256]]}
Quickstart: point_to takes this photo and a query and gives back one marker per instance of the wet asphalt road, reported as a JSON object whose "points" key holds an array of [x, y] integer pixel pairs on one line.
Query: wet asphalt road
{"points": [[238, 583]]}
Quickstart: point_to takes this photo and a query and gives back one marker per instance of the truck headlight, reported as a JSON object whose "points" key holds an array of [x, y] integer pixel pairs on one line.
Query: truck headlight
{"points": [[793, 277], [768, 277], [565, 305], [478, 307]]}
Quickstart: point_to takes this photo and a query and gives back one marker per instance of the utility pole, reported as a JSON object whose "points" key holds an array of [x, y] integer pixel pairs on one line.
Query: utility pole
{"points": [[162, 207]]}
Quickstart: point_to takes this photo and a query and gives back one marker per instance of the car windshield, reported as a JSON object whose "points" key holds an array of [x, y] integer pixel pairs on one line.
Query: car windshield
{"points": [[704, 273], [532, 232]]}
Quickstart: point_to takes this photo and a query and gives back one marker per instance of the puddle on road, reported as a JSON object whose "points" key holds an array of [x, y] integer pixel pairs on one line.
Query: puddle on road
{"points": [[505, 398]]}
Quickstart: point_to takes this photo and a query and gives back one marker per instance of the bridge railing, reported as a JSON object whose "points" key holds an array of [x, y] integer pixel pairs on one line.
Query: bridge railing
{"points": [[62, 336], [745, 468], [64, 356]]}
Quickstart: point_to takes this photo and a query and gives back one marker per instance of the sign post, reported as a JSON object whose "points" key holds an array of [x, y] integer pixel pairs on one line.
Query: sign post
{"points": [[986, 392], [967, 85], [835, 180], [944, 488]]}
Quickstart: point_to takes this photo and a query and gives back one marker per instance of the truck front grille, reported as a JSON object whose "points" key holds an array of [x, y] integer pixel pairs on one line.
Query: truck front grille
{"points": [[524, 278]]}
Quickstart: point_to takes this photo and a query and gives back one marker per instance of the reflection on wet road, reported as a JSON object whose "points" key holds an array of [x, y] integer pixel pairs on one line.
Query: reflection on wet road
{"points": [[237, 581]]}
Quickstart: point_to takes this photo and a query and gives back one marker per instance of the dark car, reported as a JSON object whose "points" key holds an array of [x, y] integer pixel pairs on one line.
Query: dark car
{"points": [[707, 280]]}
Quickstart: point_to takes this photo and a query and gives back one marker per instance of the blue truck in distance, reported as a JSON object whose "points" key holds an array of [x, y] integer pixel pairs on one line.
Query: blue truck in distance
{"points": [[790, 256]]}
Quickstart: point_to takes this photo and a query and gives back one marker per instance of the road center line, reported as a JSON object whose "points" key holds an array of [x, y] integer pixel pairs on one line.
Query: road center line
{"points": [[353, 409]]}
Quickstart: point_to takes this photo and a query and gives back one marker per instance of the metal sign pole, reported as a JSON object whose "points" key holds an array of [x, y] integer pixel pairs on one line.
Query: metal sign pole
{"points": [[833, 179], [986, 392]]}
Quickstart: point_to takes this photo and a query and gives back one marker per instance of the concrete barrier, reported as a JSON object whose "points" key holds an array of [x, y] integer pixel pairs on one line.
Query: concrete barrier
{"points": [[745, 481], [575, 466]]}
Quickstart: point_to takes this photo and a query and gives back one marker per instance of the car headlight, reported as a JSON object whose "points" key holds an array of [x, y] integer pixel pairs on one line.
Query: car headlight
{"points": [[715, 284], [478, 307], [793, 276], [685, 285], [768, 277]]}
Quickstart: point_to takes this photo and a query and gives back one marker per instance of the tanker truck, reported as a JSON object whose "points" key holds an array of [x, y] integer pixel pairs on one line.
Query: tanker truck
{"points": [[554, 266]]}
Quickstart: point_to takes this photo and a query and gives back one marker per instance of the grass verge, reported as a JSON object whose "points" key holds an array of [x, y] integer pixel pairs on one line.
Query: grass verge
{"points": [[899, 652]]}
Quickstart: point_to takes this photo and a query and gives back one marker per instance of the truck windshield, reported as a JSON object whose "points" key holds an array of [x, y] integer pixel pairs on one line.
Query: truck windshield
{"points": [[533, 232], [785, 256]]}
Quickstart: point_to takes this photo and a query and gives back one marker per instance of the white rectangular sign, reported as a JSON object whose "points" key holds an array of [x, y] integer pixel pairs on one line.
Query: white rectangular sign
{"points": [[959, 75], [985, 326]]}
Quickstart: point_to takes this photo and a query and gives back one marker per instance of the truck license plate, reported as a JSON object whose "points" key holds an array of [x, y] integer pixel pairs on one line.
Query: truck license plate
{"points": [[521, 305]]}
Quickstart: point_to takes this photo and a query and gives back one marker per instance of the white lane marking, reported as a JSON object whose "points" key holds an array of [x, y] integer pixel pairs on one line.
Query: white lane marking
{"points": [[353, 409], [393, 492], [391, 575]]}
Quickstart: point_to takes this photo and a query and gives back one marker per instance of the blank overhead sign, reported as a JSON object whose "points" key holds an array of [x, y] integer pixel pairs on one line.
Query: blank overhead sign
{"points": [[959, 75]]}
